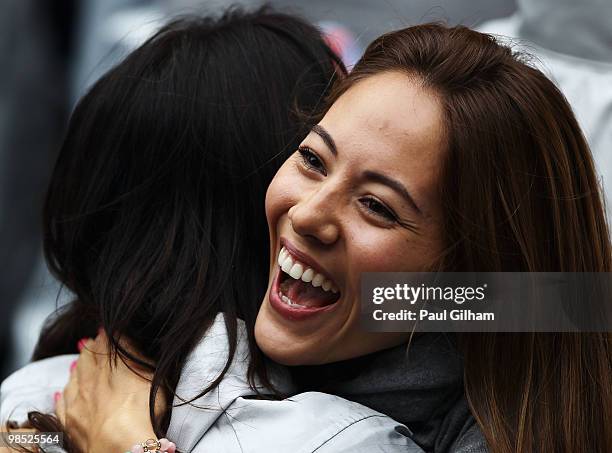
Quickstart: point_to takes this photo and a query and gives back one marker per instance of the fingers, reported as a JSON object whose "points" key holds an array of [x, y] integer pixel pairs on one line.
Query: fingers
{"points": [[99, 347], [69, 395], [88, 356], [60, 408], [68, 404], [71, 388], [167, 446], [81, 343]]}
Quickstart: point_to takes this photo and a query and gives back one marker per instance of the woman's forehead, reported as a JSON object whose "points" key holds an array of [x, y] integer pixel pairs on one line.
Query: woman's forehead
{"points": [[388, 121], [386, 110]]}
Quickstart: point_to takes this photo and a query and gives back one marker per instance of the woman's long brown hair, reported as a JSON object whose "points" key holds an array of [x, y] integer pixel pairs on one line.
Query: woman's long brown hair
{"points": [[519, 193]]}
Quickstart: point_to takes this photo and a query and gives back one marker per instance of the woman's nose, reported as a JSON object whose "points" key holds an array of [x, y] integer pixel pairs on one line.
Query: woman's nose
{"points": [[314, 218]]}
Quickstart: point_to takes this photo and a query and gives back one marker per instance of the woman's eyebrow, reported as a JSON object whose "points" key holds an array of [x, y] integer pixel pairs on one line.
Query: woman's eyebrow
{"points": [[368, 174], [326, 137], [393, 184]]}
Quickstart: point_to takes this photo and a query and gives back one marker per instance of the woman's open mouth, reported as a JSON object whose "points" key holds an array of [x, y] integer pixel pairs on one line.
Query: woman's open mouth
{"points": [[300, 290]]}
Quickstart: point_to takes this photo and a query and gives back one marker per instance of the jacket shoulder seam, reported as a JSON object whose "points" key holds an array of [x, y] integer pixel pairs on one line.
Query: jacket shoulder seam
{"points": [[354, 422]]}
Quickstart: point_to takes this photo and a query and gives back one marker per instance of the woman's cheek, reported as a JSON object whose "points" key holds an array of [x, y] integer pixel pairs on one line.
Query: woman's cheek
{"points": [[370, 247], [384, 251]]}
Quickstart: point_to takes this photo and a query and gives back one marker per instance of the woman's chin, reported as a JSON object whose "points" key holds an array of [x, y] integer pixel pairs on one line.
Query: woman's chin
{"points": [[278, 350], [282, 349]]}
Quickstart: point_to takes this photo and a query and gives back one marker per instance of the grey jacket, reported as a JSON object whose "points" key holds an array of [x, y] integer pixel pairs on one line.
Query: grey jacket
{"points": [[227, 419]]}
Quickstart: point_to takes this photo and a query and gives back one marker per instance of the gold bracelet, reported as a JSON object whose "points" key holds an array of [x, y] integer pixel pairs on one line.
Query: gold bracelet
{"points": [[154, 446], [151, 445]]}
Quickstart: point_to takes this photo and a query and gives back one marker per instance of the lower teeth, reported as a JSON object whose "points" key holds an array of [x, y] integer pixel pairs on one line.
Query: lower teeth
{"points": [[288, 301]]}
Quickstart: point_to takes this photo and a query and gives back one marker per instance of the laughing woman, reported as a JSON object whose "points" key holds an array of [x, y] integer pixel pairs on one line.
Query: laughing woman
{"points": [[442, 150]]}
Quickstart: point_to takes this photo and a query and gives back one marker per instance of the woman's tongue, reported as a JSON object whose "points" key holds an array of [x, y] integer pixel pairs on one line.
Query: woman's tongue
{"points": [[305, 294]]}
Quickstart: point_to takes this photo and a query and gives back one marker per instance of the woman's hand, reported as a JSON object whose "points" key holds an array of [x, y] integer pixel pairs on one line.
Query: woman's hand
{"points": [[104, 407]]}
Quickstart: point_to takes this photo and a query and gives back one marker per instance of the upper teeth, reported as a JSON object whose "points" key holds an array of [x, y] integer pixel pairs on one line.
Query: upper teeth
{"points": [[297, 271]]}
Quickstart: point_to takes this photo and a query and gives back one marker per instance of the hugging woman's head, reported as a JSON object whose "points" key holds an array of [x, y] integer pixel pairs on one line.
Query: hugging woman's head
{"points": [[154, 218]]}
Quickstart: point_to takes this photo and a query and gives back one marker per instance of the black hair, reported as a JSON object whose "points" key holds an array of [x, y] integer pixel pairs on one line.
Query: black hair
{"points": [[154, 217]]}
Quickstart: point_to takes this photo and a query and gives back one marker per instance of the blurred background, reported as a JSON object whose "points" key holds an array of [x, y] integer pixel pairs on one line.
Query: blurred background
{"points": [[50, 52]]}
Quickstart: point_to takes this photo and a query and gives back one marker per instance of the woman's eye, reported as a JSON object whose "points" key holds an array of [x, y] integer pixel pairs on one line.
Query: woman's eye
{"points": [[311, 160], [379, 209]]}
